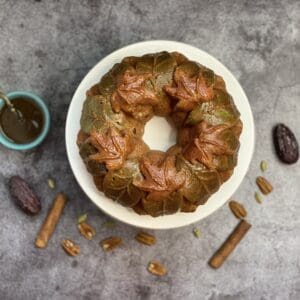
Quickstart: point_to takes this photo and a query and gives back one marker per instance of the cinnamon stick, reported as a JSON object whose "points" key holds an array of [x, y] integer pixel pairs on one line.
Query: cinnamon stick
{"points": [[229, 245], [51, 221]]}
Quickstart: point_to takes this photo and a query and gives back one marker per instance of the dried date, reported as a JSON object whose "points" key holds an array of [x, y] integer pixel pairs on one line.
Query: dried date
{"points": [[23, 196], [286, 145]]}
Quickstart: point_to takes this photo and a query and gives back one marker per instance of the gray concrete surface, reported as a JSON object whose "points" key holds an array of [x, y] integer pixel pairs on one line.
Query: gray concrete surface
{"points": [[47, 47]]}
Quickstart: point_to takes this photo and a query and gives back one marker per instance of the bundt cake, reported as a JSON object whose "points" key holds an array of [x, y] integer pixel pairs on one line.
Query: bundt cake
{"points": [[190, 96]]}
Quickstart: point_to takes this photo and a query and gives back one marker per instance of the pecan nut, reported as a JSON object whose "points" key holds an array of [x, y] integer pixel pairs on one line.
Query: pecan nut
{"points": [[157, 268], [237, 209], [264, 185], [70, 247], [145, 238], [86, 230], [111, 243]]}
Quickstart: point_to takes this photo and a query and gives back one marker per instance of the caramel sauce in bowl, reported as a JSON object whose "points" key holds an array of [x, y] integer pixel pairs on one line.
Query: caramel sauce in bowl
{"points": [[28, 126]]}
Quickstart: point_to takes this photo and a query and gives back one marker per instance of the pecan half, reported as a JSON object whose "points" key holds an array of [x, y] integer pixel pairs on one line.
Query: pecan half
{"points": [[264, 185], [145, 238], [111, 243], [238, 209], [86, 230], [70, 247], [157, 268]]}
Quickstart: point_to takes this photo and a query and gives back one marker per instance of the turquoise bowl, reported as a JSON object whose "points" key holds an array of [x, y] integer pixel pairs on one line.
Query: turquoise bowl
{"points": [[40, 103]]}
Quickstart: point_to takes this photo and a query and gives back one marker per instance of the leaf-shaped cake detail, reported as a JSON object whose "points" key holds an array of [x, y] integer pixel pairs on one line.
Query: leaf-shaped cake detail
{"points": [[113, 147], [210, 144], [139, 90], [161, 180], [97, 113], [221, 110], [179, 58], [160, 173], [161, 66], [118, 185], [156, 64], [134, 95], [132, 90], [200, 182], [108, 82], [193, 84], [162, 203]]}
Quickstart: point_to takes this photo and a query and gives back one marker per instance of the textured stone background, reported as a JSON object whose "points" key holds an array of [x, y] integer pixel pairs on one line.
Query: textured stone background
{"points": [[47, 47]]}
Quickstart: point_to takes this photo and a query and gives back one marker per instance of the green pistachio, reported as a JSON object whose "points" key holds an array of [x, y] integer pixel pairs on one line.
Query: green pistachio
{"points": [[82, 218], [263, 165], [258, 197], [197, 232], [51, 183]]}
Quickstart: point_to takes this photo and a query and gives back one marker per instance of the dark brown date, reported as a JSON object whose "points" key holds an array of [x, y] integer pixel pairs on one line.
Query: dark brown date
{"points": [[24, 196], [286, 145]]}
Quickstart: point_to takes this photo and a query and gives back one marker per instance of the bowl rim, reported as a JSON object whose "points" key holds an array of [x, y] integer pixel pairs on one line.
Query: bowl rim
{"points": [[36, 99], [158, 45]]}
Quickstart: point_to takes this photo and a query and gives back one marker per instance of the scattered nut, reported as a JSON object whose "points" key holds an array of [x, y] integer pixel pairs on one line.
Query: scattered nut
{"points": [[156, 268], [238, 209], [70, 247], [51, 183], [82, 218], [86, 230], [111, 243], [145, 238], [258, 197], [263, 165], [197, 232], [264, 185]]}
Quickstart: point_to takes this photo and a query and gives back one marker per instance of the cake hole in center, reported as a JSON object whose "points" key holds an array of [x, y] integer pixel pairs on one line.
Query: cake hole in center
{"points": [[159, 134]]}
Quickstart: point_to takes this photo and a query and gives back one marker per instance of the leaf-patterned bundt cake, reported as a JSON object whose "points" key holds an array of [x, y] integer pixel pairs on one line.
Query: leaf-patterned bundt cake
{"points": [[190, 96]]}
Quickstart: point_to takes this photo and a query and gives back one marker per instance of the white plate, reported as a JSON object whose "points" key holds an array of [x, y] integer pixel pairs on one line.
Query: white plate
{"points": [[127, 215]]}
